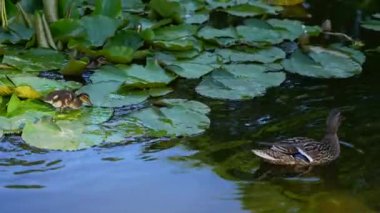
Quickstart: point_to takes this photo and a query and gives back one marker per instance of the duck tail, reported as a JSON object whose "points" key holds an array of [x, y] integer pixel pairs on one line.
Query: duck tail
{"points": [[263, 154]]}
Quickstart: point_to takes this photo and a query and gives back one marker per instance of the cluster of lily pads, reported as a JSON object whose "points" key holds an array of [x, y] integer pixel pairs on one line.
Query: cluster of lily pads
{"points": [[144, 46]]}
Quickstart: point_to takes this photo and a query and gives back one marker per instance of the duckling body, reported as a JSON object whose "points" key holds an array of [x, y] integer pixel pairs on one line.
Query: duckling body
{"points": [[65, 99], [306, 151]]}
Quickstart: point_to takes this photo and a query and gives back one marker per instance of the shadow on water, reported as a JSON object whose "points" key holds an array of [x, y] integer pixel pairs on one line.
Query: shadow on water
{"points": [[297, 108]]}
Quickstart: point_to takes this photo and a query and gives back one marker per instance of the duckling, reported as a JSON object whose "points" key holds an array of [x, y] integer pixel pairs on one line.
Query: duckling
{"points": [[65, 99], [305, 151]]}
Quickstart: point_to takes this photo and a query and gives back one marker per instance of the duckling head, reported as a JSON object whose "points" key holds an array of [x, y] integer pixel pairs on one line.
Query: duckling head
{"points": [[85, 99]]}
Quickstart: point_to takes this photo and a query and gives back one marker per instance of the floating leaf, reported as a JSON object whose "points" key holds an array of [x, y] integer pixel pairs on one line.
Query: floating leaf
{"points": [[322, 63], [43, 85], [74, 67], [253, 9], [273, 31], [27, 92], [371, 24], [263, 55], [179, 118], [108, 8], [239, 81], [91, 25], [108, 94], [6, 86], [225, 37], [152, 75], [87, 115], [195, 67], [65, 29], [34, 59], [167, 9], [62, 135]]}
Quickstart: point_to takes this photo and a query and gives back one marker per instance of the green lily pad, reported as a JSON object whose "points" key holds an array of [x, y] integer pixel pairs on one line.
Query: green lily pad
{"points": [[133, 6], [263, 55], [371, 24], [179, 118], [15, 33], [18, 112], [253, 9], [118, 54], [152, 75], [111, 9], [239, 81], [34, 60], [44, 85], [110, 94], [195, 67], [62, 135], [273, 31], [322, 63], [87, 115], [225, 36], [91, 24], [167, 9], [174, 32], [65, 29]]}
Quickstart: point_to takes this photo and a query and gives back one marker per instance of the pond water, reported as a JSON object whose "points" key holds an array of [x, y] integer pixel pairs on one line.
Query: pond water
{"points": [[216, 172]]}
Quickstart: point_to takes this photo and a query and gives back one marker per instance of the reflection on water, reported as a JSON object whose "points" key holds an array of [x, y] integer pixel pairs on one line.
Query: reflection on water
{"points": [[215, 172]]}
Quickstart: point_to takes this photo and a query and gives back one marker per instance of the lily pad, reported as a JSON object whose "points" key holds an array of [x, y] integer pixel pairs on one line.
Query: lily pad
{"points": [[263, 55], [21, 111], [110, 94], [152, 75], [34, 60], [44, 85], [167, 9], [239, 81], [91, 25], [87, 115], [195, 67], [253, 9], [322, 63], [179, 118], [62, 135], [225, 36]]}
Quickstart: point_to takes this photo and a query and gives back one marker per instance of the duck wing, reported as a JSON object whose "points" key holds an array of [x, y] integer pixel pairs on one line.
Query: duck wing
{"points": [[290, 151]]}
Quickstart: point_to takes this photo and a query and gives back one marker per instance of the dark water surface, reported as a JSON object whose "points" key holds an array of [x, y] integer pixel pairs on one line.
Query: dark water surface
{"points": [[216, 172]]}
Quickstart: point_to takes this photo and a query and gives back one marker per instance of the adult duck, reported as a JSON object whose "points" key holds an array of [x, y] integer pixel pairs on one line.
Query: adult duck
{"points": [[306, 151]]}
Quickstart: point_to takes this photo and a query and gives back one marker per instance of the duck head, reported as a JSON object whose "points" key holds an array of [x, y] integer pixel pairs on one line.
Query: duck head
{"points": [[333, 121]]}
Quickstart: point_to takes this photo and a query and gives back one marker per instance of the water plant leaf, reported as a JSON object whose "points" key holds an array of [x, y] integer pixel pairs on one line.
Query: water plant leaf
{"points": [[195, 67], [133, 6], [167, 9], [225, 36], [111, 9], [262, 55], [34, 60], [65, 29], [273, 31], [322, 63], [87, 115], [109, 94], [91, 24], [179, 117], [6, 86], [239, 81], [371, 24], [43, 85], [152, 75], [62, 135], [253, 9]]}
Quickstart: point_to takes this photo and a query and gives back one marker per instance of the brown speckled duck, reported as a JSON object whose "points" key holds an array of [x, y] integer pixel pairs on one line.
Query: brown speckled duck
{"points": [[65, 99], [306, 151]]}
